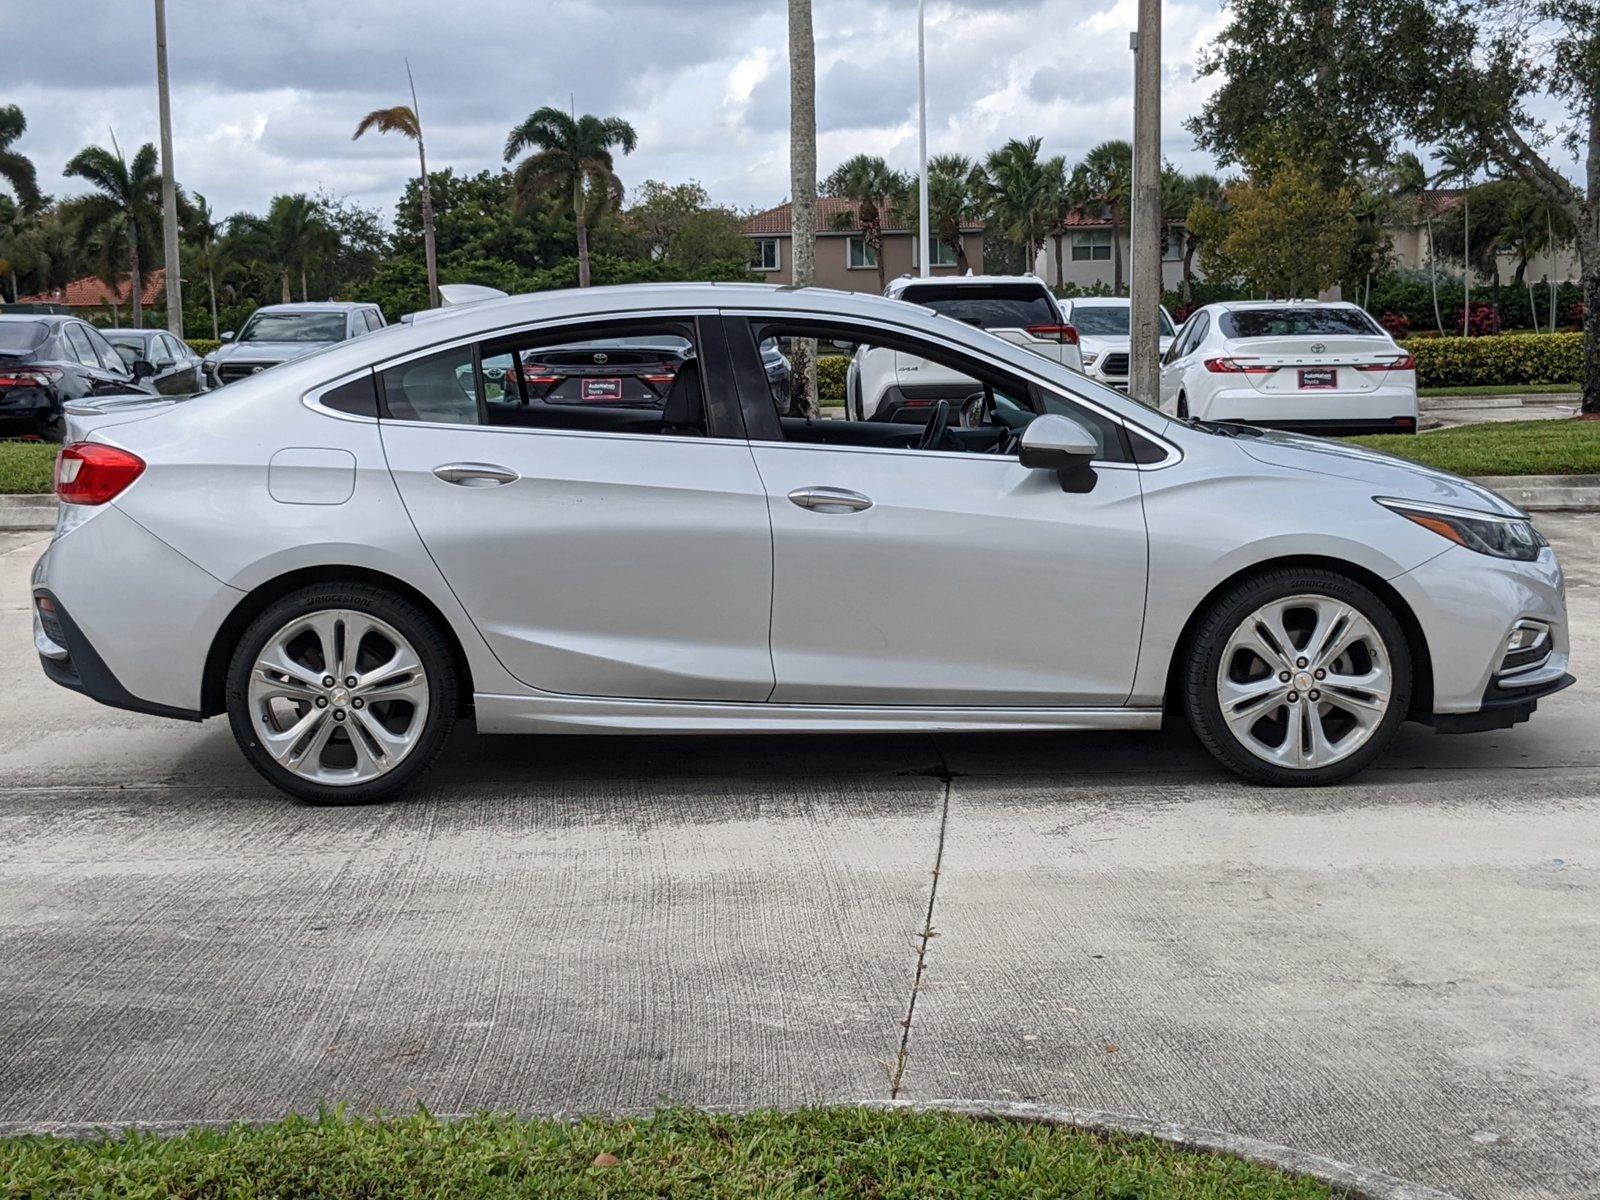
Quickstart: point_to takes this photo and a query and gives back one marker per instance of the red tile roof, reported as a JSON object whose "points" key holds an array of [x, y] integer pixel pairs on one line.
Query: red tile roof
{"points": [[829, 211], [91, 292]]}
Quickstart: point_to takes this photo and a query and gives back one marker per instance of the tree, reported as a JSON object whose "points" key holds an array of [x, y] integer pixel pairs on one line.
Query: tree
{"points": [[1288, 237], [1409, 181], [877, 193], [122, 213], [1021, 193], [403, 119], [955, 188], [1359, 77], [803, 202], [1196, 193], [1106, 175], [204, 233], [1459, 163], [678, 223], [285, 239], [572, 156], [15, 168]]}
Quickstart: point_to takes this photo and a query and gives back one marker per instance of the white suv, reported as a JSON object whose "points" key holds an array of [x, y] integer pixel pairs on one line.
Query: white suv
{"points": [[1103, 336], [890, 385]]}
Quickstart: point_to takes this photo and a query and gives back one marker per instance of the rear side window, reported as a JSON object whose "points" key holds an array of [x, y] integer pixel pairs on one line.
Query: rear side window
{"points": [[988, 306], [1297, 322], [359, 397]]}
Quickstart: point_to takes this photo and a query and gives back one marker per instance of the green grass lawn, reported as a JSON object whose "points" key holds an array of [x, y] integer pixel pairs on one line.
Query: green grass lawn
{"points": [[26, 467], [1504, 389], [1508, 448], [836, 1152]]}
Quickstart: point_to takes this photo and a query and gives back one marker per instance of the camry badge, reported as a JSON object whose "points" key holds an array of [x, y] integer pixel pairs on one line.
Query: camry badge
{"points": [[257, 370]]}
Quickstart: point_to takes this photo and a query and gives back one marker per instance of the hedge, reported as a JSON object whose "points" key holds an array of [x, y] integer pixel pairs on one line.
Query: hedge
{"points": [[831, 372], [1506, 360], [202, 346]]}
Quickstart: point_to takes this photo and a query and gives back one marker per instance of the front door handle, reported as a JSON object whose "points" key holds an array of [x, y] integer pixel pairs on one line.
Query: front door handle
{"points": [[470, 474], [830, 500]]}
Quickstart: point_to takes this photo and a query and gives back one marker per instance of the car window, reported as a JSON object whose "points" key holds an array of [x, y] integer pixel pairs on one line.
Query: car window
{"points": [[988, 407], [19, 337], [988, 306], [374, 321], [1297, 322], [82, 350], [129, 347], [630, 377], [109, 358]]}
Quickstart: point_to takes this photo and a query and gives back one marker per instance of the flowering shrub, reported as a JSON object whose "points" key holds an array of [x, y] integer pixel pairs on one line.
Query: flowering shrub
{"points": [[1484, 321], [1576, 311], [1396, 323]]}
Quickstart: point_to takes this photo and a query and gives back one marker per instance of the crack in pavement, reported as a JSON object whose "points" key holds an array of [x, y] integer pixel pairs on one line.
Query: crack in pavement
{"points": [[898, 1074]]}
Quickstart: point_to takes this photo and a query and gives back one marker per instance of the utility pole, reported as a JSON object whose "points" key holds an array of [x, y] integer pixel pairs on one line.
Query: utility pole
{"points": [[925, 242], [1144, 376], [169, 186], [803, 200]]}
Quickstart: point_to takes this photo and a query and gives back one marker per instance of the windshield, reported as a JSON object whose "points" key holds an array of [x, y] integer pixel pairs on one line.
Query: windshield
{"points": [[294, 327], [1107, 320], [997, 306], [17, 337], [1297, 322]]}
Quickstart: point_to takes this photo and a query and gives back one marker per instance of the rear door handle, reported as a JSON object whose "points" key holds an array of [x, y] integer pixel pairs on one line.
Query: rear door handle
{"points": [[470, 474], [830, 500]]}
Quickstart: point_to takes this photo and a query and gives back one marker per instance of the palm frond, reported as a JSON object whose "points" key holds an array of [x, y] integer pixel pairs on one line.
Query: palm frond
{"points": [[399, 119]]}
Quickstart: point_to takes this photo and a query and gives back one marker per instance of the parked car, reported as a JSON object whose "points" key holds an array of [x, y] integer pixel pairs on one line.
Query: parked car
{"points": [[1104, 337], [884, 384], [176, 370], [631, 372], [276, 333], [351, 552], [1303, 365], [46, 361]]}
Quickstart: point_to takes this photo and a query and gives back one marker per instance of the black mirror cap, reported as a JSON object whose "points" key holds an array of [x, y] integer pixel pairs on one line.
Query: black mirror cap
{"points": [[142, 368]]}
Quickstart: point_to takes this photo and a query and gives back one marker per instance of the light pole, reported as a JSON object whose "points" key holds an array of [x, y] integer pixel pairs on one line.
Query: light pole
{"points": [[1144, 302], [169, 187], [926, 243]]}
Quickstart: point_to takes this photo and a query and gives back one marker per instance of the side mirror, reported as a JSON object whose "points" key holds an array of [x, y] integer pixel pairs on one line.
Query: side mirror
{"points": [[227, 335], [142, 369], [1060, 444]]}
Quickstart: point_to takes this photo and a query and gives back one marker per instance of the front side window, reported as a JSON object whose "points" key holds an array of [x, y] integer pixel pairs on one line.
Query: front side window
{"points": [[1298, 322], [1092, 246], [109, 359], [294, 327], [764, 255], [860, 255]]}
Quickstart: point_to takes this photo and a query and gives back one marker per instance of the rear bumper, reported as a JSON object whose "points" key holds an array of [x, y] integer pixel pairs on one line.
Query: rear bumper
{"points": [[68, 658], [1382, 410], [1352, 427]]}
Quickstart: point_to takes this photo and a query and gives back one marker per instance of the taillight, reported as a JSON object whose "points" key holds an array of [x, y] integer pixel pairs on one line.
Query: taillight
{"points": [[664, 376], [89, 473], [1237, 366], [29, 377], [1406, 362], [540, 376], [1067, 335]]}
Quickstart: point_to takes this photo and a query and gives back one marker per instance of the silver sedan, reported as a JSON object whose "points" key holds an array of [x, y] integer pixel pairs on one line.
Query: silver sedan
{"points": [[352, 552]]}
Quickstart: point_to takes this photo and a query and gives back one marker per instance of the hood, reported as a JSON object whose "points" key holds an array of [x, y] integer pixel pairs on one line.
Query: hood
{"points": [[1386, 474], [264, 351]]}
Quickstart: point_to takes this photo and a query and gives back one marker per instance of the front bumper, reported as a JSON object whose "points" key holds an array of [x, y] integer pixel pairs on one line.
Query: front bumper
{"points": [[1503, 706]]}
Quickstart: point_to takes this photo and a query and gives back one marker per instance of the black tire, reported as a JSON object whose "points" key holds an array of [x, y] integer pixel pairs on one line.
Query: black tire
{"points": [[1183, 407], [426, 638], [1204, 661]]}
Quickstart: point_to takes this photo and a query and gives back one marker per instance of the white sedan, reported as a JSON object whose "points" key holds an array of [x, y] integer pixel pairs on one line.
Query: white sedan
{"points": [[1324, 368]]}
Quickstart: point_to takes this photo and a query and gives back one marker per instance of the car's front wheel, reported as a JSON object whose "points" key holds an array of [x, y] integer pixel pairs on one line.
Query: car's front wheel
{"points": [[342, 693], [1298, 677]]}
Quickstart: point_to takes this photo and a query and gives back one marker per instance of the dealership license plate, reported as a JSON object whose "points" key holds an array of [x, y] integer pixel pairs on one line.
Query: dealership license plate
{"points": [[1318, 378], [600, 389]]}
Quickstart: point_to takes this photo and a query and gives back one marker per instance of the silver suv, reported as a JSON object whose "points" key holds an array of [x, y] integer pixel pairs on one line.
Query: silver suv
{"points": [[276, 333]]}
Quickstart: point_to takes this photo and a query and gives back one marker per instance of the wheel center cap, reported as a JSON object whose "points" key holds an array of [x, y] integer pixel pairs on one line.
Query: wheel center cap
{"points": [[340, 696], [1303, 681]]}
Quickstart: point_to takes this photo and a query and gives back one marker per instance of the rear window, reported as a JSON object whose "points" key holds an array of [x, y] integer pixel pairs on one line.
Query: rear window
{"points": [[989, 306], [1297, 322], [21, 336]]}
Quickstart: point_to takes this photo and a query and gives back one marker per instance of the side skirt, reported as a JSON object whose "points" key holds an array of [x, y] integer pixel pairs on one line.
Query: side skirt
{"points": [[563, 714]]}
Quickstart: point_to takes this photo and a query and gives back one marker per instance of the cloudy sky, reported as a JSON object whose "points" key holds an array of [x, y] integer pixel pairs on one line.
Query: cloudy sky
{"points": [[267, 93]]}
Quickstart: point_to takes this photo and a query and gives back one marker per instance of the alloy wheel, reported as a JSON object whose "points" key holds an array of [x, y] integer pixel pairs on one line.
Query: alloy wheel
{"points": [[338, 697], [1304, 681]]}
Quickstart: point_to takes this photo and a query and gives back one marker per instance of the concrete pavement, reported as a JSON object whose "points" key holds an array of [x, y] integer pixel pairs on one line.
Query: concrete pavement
{"points": [[1399, 972]]}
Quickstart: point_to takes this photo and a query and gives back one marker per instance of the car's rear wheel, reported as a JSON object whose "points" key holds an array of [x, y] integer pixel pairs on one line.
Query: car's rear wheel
{"points": [[342, 693], [1183, 407], [1298, 677]]}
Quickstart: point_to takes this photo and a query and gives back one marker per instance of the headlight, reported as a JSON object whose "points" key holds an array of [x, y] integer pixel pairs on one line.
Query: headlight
{"points": [[1488, 533], [1090, 359]]}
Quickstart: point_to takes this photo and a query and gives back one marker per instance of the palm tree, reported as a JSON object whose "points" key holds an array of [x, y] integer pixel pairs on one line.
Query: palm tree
{"points": [[955, 189], [403, 119], [15, 168], [1457, 163], [1199, 188], [573, 156], [209, 254], [1409, 179], [1022, 194], [1106, 173], [877, 192], [122, 214], [286, 239]]}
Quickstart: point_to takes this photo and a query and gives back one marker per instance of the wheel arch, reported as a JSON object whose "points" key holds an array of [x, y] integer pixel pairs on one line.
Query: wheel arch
{"points": [[1416, 639], [214, 680]]}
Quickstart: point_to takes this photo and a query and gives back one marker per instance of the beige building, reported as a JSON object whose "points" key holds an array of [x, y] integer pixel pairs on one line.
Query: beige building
{"points": [[1411, 249], [1088, 253], [844, 259]]}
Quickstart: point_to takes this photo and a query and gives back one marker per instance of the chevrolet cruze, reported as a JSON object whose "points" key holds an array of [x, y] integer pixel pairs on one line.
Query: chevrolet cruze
{"points": [[354, 551]]}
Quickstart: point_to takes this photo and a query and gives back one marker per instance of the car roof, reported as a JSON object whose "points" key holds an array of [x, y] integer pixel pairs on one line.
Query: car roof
{"points": [[315, 306], [1247, 305], [37, 318], [906, 281]]}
